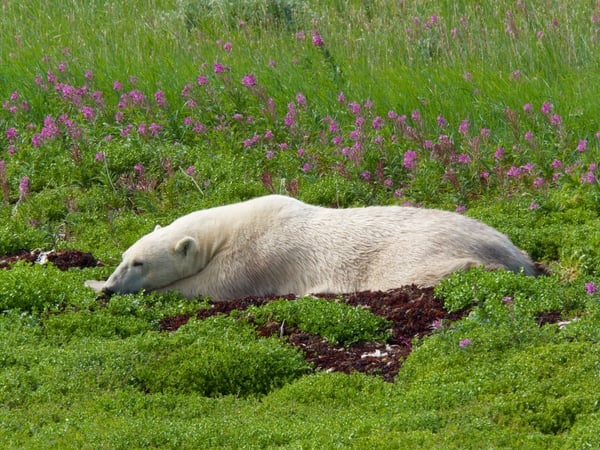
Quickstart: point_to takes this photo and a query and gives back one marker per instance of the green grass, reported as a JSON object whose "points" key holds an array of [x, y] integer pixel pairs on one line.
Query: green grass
{"points": [[77, 375]]}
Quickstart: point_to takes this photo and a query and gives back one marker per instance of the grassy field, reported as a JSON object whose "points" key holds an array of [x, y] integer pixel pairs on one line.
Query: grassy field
{"points": [[118, 116]]}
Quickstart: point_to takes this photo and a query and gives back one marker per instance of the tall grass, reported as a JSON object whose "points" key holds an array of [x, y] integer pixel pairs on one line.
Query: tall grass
{"points": [[118, 115]]}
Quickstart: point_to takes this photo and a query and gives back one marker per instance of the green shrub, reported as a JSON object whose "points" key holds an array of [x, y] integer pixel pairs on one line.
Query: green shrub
{"points": [[336, 322], [34, 287], [504, 289], [214, 357]]}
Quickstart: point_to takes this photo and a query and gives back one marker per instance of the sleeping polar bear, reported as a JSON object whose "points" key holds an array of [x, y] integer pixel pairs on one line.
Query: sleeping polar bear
{"points": [[276, 245]]}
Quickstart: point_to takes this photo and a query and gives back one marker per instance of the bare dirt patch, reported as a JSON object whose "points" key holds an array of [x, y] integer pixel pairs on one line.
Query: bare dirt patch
{"points": [[62, 259], [413, 312]]}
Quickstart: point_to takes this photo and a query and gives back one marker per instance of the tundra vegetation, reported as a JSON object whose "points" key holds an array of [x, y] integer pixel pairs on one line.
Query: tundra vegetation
{"points": [[118, 116]]}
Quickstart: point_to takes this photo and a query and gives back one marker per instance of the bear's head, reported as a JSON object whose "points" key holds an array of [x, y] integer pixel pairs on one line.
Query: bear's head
{"points": [[155, 261]]}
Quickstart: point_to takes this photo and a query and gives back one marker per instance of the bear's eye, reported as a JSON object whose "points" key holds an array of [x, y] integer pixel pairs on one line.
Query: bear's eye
{"points": [[137, 264]]}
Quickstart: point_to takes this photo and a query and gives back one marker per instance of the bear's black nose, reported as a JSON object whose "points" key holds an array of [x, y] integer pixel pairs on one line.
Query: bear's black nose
{"points": [[107, 291]]}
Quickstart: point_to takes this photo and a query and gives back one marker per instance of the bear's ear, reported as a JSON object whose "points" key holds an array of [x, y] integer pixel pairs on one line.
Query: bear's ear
{"points": [[186, 246], [157, 227]]}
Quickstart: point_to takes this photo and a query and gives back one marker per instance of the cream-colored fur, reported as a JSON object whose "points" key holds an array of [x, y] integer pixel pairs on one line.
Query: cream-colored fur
{"points": [[276, 245]]}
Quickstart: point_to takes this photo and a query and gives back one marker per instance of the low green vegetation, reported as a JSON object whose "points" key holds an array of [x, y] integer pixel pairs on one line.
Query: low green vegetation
{"points": [[117, 116], [336, 322]]}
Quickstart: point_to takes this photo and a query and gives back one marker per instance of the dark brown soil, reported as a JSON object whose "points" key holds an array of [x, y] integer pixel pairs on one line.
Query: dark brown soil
{"points": [[414, 313], [63, 259]]}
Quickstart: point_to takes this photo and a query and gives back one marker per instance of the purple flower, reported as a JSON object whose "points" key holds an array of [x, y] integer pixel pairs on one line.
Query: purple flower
{"points": [[546, 108], [436, 324], [582, 145], [556, 120], [11, 133], [88, 113], [269, 134], [588, 177], [301, 99], [333, 126], [24, 187], [219, 68], [528, 136], [190, 171], [160, 99], [354, 107], [155, 129], [248, 80], [126, 130], [590, 288], [441, 121], [366, 175], [527, 107], [99, 157], [317, 40], [507, 300], [227, 46], [139, 169], [377, 123], [117, 85], [465, 342], [270, 154], [464, 159], [533, 206], [460, 208], [410, 160], [306, 167], [514, 171], [463, 128]]}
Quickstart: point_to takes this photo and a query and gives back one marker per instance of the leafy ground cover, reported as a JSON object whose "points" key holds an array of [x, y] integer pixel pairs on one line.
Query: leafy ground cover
{"points": [[173, 105]]}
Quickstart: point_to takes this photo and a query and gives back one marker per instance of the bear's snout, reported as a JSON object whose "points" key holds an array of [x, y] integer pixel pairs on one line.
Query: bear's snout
{"points": [[107, 291]]}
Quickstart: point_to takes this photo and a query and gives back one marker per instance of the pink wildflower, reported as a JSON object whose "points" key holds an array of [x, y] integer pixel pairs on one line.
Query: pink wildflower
{"points": [[301, 99], [249, 80], [24, 187], [410, 160], [317, 40], [465, 342], [219, 68], [546, 108], [590, 288]]}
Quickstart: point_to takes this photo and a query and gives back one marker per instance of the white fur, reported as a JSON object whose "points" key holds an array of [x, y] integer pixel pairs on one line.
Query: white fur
{"points": [[276, 245]]}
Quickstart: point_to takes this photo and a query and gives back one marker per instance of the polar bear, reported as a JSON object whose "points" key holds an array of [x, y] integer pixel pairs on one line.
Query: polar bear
{"points": [[276, 245]]}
